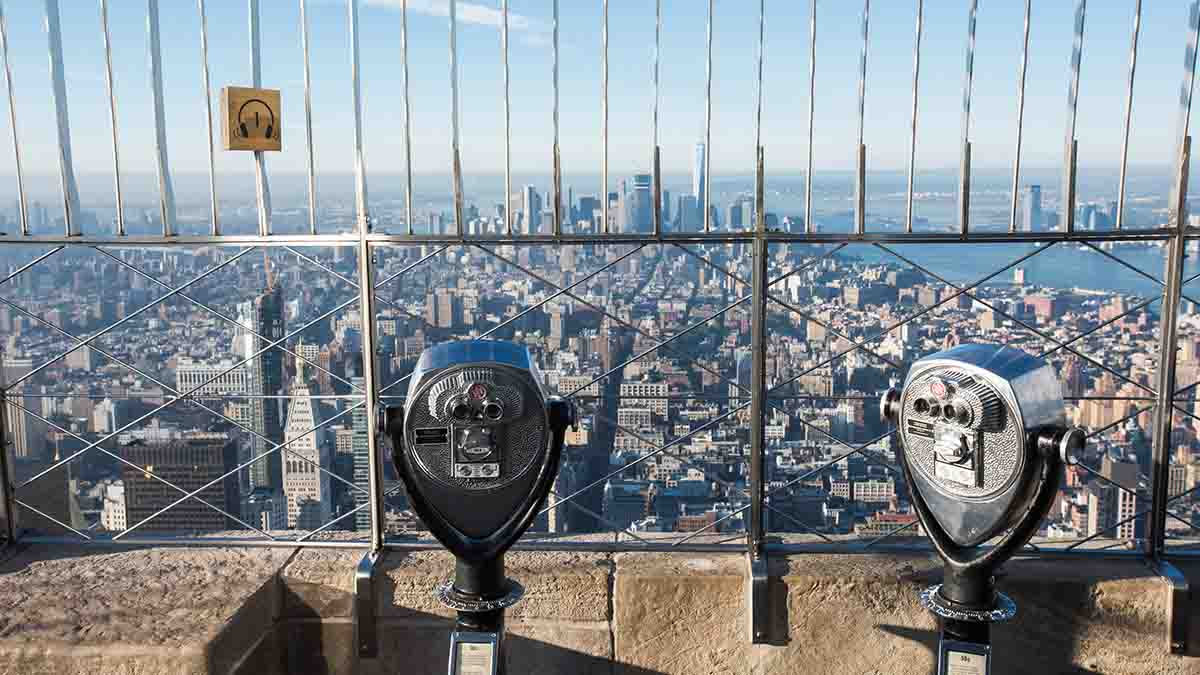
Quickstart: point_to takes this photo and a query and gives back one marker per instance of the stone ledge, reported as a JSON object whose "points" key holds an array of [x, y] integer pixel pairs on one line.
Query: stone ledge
{"points": [[85, 609], [565, 586], [215, 611]]}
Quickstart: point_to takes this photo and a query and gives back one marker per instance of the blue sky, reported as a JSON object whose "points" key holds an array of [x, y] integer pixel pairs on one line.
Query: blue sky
{"points": [[1105, 64]]}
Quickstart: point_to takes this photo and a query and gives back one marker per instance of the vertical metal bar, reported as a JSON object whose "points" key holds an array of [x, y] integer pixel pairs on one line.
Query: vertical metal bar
{"points": [[1016, 180], [12, 119], [208, 113], [261, 187], [6, 483], [759, 176], [860, 181], [66, 165], [1172, 292], [1186, 89], [366, 301], [1167, 347], [654, 147], [756, 535], [812, 90], [166, 191], [456, 139], [912, 139], [964, 171], [702, 201], [1068, 191], [557, 155], [604, 119], [360, 167], [7, 488], [408, 179], [308, 126], [112, 112], [508, 212], [1133, 51]]}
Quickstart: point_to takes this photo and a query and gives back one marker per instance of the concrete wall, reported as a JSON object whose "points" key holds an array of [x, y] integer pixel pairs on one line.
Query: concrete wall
{"points": [[192, 610]]}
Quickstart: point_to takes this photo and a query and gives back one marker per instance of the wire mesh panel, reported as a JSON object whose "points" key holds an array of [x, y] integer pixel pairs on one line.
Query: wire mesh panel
{"points": [[647, 355], [182, 392], [853, 324]]}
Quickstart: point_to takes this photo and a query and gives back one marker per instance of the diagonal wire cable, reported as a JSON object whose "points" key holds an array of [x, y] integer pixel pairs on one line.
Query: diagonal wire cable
{"points": [[17, 272], [194, 401], [792, 308], [1138, 307], [891, 534], [130, 316], [780, 488], [49, 517], [140, 469], [191, 391], [645, 457], [238, 468], [913, 317], [440, 250], [618, 320], [1035, 330], [1132, 268], [796, 522], [229, 319]]}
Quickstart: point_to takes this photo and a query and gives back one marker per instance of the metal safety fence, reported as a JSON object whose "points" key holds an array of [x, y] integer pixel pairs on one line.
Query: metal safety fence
{"points": [[774, 442]]}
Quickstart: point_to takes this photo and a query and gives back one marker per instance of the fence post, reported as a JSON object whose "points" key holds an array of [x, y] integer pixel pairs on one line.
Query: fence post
{"points": [[1166, 385], [1172, 292], [6, 476], [758, 580]]}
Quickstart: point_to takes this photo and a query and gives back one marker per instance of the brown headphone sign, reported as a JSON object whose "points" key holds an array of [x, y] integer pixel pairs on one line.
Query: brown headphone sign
{"points": [[251, 119]]}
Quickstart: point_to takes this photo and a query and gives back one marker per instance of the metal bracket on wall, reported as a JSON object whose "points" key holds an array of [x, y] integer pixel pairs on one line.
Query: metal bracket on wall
{"points": [[365, 634], [758, 597], [1178, 592]]}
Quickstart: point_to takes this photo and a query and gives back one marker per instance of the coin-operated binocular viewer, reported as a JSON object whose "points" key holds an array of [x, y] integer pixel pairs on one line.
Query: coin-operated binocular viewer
{"points": [[984, 436], [477, 444]]}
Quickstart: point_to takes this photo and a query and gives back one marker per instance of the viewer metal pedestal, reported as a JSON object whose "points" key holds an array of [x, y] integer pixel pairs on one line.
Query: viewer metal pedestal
{"points": [[480, 594]]}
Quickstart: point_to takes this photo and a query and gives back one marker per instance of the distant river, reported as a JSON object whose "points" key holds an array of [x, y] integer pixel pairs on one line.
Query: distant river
{"points": [[1060, 265]]}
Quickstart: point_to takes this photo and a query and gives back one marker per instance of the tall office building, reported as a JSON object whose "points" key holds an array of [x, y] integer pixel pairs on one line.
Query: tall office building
{"points": [[531, 210], [265, 316], [362, 462], [641, 204], [309, 499], [189, 462], [699, 179], [1113, 503], [26, 432], [588, 208], [1031, 208], [686, 213], [734, 218]]}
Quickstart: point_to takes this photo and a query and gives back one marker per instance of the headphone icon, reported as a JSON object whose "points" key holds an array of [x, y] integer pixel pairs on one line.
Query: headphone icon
{"points": [[242, 123]]}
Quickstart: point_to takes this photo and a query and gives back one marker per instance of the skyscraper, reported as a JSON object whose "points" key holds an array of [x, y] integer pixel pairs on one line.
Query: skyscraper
{"points": [[191, 462], [531, 210], [699, 179], [362, 463], [309, 499], [1031, 208], [267, 316], [685, 214], [641, 204]]}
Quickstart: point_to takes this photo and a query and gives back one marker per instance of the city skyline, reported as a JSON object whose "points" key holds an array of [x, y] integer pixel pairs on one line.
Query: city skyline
{"points": [[1101, 105]]}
